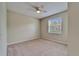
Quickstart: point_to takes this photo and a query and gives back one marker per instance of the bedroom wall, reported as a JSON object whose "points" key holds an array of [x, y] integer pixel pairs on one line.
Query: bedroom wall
{"points": [[73, 34], [22, 28], [61, 38], [3, 29]]}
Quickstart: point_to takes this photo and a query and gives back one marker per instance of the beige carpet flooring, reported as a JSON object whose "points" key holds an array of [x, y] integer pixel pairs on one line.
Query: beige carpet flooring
{"points": [[38, 47]]}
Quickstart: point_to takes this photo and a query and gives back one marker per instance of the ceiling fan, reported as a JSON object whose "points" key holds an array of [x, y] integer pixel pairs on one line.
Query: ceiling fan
{"points": [[39, 9]]}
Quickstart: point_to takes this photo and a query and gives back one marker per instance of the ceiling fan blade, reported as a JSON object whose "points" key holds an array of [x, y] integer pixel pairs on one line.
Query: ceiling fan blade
{"points": [[32, 7], [45, 11], [36, 8]]}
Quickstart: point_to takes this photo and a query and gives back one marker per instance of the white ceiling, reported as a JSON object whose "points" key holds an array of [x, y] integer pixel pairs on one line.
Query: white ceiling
{"points": [[26, 8]]}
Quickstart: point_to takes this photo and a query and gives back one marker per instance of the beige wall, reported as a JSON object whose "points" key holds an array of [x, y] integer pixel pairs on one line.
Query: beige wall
{"points": [[73, 37], [62, 38], [22, 28], [3, 30]]}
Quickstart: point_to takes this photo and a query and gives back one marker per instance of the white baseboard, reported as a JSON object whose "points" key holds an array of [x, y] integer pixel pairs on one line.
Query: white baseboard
{"points": [[57, 41], [37, 38], [20, 41], [16, 42]]}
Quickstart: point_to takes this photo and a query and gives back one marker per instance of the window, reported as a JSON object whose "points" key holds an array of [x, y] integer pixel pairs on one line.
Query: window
{"points": [[55, 25]]}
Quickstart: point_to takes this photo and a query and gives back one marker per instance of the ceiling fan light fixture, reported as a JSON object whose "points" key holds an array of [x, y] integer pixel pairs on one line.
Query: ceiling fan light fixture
{"points": [[38, 11]]}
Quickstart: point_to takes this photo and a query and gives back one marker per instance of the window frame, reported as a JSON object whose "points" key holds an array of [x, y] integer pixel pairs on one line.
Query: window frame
{"points": [[61, 25]]}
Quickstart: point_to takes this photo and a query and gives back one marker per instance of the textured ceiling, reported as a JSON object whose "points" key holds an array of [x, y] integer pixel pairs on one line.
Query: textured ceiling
{"points": [[26, 8]]}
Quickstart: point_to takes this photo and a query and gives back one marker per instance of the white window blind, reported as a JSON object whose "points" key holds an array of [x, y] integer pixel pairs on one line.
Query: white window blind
{"points": [[55, 25]]}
